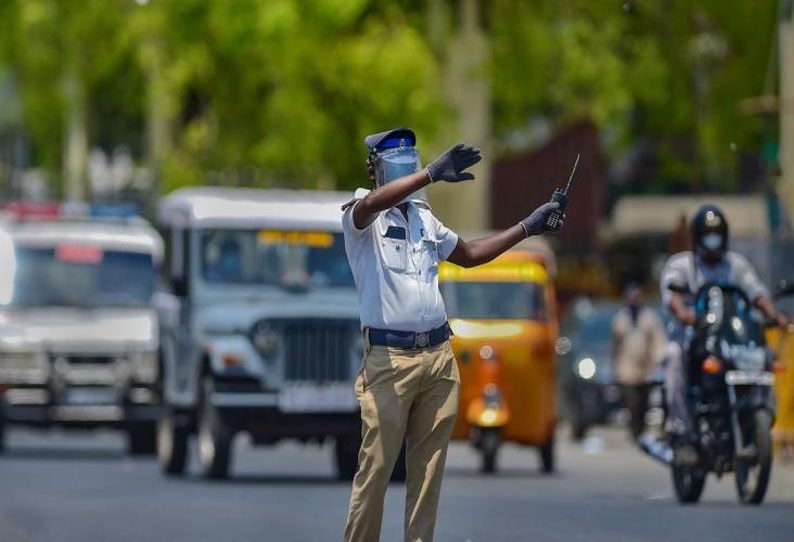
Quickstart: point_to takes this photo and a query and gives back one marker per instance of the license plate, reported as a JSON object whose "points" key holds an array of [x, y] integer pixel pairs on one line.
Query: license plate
{"points": [[90, 397], [740, 378], [317, 398]]}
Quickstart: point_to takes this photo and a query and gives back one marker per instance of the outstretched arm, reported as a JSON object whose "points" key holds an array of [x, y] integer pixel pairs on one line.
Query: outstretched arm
{"points": [[766, 304], [387, 196], [480, 251]]}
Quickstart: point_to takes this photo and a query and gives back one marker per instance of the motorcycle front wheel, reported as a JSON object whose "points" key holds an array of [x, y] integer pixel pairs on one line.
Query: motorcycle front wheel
{"points": [[752, 474], [688, 484]]}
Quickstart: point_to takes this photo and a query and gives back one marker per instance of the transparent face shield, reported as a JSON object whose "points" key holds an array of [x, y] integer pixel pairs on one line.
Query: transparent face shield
{"points": [[391, 164]]}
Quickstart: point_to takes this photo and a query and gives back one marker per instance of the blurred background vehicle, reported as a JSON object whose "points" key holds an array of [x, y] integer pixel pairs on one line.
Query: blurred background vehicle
{"points": [[782, 344], [79, 340], [260, 325], [589, 393], [504, 318]]}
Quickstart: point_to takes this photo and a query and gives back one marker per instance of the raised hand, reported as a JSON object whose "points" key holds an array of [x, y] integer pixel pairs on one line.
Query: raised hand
{"points": [[450, 166]]}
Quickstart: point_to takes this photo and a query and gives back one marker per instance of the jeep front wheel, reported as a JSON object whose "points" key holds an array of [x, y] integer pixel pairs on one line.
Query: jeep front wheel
{"points": [[214, 435]]}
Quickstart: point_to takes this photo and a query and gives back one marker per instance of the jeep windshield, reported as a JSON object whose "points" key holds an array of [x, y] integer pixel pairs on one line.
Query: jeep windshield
{"points": [[494, 300], [81, 276], [289, 259]]}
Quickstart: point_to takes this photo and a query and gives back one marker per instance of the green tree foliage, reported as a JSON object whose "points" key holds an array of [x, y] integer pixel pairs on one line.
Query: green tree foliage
{"points": [[282, 92], [43, 41]]}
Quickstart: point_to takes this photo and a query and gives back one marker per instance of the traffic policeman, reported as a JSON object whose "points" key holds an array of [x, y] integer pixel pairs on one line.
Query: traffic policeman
{"points": [[408, 384]]}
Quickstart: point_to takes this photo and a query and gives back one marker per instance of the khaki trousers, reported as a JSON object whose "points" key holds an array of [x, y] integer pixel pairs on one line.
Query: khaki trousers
{"points": [[411, 394]]}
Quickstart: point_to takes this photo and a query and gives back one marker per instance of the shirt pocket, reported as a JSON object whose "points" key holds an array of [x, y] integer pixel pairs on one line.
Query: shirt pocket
{"points": [[394, 251], [429, 257]]}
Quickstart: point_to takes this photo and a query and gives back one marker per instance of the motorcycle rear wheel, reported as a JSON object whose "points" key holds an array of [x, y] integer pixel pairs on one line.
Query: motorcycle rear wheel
{"points": [[688, 484], [752, 475]]}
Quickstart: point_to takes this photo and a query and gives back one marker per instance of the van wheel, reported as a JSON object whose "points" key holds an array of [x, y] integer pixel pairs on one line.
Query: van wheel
{"points": [[2, 431], [172, 441], [141, 438], [546, 452], [214, 435]]}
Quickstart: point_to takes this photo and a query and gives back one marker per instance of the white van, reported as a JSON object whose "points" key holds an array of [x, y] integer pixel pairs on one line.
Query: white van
{"points": [[79, 338]]}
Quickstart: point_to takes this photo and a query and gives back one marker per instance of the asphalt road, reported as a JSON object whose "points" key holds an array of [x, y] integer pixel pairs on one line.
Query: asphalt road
{"points": [[80, 487]]}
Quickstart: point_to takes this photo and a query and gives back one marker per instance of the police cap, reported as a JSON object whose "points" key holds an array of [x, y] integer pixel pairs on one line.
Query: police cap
{"points": [[391, 138]]}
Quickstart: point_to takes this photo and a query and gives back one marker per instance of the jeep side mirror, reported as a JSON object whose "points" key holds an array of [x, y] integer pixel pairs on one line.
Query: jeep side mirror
{"points": [[785, 288]]}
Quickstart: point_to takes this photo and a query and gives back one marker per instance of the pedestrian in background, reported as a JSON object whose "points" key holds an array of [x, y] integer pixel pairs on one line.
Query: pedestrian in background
{"points": [[638, 343], [409, 383]]}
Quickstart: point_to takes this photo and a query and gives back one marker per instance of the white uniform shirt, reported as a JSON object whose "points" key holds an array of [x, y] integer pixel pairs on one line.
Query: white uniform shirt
{"points": [[395, 267], [688, 271]]}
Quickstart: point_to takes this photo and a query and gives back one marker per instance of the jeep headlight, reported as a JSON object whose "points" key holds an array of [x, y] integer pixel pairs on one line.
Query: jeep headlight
{"points": [[145, 366], [22, 367], [265, 339]]}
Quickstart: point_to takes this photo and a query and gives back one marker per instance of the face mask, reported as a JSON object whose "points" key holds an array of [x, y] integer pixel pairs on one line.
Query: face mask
{"points": [[712, 241]]}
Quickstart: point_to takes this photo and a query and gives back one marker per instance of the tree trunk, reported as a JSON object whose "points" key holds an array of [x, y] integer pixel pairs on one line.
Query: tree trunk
{"points": [[786, 107], [465, 206], [75, 160]]}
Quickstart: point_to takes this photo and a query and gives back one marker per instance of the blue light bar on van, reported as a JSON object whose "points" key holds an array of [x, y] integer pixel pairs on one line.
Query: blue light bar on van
{"points": [[114, 210]]}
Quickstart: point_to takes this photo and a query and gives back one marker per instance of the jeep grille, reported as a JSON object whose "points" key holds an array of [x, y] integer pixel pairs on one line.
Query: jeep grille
{"points": [[317, 350]]}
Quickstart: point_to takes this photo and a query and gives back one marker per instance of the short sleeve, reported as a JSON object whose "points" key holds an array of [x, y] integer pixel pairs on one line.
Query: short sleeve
{"points": [[447, 239], [746, 277], [675, 275], [349, 226]]}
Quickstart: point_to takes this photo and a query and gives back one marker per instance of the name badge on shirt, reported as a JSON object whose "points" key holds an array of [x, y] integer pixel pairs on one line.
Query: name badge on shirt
{"points": [[396, 232]]}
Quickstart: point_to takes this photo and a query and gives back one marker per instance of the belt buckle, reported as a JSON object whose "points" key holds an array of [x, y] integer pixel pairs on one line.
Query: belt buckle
{"points": [[422, 339]]}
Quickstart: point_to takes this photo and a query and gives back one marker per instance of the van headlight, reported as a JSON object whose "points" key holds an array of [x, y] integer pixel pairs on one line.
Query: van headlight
{"points": [[145, 366]]}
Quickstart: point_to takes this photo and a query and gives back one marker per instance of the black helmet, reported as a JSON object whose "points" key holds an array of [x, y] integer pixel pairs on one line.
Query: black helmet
{"points": [[709, 230]]}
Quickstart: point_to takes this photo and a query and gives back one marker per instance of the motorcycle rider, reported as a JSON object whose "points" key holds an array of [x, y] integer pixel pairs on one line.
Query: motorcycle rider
{"points": [[683, 274]]}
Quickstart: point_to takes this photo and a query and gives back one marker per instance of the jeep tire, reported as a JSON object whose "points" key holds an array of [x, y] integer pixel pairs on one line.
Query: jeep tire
{"points": [[214, 435]]}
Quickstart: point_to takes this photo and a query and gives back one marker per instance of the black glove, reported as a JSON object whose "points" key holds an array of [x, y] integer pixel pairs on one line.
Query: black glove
{"points": [[535, 224], [450, 165]]}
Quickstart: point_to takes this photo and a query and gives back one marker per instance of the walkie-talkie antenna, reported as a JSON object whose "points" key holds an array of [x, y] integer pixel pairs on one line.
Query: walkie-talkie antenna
{"points": [[570, 178], [553, 221]]}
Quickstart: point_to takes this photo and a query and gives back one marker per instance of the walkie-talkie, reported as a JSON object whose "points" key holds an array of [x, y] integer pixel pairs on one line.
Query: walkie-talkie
{"points": [[554, 220]]}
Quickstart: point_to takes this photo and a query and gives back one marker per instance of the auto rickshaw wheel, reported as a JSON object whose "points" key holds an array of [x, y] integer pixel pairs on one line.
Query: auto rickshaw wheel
{"points": [[546, 452], [489, 448]]}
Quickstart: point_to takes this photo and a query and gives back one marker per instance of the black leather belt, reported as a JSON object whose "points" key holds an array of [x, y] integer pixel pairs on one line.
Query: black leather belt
{"points": [[409, 339]]}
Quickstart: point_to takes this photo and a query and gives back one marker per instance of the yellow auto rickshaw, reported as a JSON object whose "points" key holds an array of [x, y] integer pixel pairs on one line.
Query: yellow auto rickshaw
{"points": [[504, 318]]}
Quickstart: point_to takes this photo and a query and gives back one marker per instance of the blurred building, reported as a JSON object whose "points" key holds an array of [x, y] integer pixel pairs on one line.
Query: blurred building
{"points": [[523, 182]]}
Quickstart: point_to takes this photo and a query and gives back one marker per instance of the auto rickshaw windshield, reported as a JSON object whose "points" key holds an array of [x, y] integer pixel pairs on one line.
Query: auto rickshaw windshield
{"points": [[494, 300]]}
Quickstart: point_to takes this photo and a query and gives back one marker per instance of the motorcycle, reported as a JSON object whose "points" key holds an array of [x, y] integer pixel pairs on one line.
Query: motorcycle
{"points": [[730, 394]]}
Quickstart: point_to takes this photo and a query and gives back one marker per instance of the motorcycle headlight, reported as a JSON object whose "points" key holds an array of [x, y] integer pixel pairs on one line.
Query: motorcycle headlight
{"points": [[145, 367], [586, 368]]}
